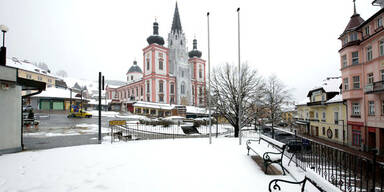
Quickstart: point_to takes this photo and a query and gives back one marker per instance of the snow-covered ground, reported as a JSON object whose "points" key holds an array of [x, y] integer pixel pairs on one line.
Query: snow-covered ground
{"points": [[152, 165], [104, 113], [78, 129]]}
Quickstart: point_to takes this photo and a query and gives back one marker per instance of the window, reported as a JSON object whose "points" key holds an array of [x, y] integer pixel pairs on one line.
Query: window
{"points": [[366, 30], [172, 99], [353, 36], [182, 88], [382, 107], [182, 73], [148, 64], [371, 108], [172, 88], [200, 101], [49, 80], [346, 84], [323, 130], [181, 42], [148, 98], [316, 115], [200, 91], [161, 86], [382, 75], [369, 53], [356, 109], [370, 78], [381, 47], [137, 91], [323, 117], [336, 117], [356, 82], [355, 58], [193, 90], [336, 133], [131, 77], [344, 60], [161, 64], [39, 78], [141, 90], [379, 22], [161, 98], [322, 97], [200, 73], [148, 87], [345, 41]]}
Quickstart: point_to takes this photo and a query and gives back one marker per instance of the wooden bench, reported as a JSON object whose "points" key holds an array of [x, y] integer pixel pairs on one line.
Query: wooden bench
{"points": [[267, 155], [316, 180]]}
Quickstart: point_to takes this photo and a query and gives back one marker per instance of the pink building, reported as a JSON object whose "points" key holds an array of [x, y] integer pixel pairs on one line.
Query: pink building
{"points": [[169, 75], [362, 70]]}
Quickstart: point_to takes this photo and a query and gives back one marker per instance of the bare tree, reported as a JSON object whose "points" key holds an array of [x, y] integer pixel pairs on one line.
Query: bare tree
{"points": [[62, 73], [226, 100], [276, 94]]}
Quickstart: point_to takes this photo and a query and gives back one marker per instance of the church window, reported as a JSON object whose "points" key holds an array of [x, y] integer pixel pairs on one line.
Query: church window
{"points": [[172, 88], [170, 42], [161, 98], [141, 90], [131, 77], [182, 88], [193, 90], [161, 86], [181, 42], [148, 64], [161, 64], [200, 91], [148, 88], [182, 73], [200, 73], [137, 91]]}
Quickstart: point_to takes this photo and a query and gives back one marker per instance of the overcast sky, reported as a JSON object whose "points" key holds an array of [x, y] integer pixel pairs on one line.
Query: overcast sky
{"points": [[296, 40]]}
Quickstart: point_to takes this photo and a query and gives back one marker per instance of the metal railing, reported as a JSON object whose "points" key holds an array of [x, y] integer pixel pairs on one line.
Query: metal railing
{"points": [[347, 171]]}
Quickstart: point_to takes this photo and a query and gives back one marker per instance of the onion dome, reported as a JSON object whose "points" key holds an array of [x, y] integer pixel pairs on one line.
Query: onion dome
{"points": [[155, 38], [135, 68], [194, 52]]}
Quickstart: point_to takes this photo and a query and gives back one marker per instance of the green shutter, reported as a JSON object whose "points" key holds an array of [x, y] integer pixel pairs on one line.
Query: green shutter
{"points": [[45, 105], [58, 105]]}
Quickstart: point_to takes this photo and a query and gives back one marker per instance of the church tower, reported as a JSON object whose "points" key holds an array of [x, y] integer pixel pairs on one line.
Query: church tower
{"points": [[178, 60]]}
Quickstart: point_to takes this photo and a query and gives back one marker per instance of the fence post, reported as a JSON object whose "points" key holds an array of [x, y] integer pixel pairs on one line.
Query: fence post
{"points": [[374, 170]]}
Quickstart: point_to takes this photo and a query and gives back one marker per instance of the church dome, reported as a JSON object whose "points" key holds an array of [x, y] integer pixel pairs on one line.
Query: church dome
{"points": [[155, 38], [135, 68], [194, 52]]}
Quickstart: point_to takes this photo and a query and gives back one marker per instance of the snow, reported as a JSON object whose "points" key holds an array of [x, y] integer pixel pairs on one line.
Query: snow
{"points": [[27, 66], [151, 165], [78, 129], [275, 142], [133, 117], [153, 105], [196, 110], [54, 92], [321, 182], [96, 102], [336, 99], [103, 113]]}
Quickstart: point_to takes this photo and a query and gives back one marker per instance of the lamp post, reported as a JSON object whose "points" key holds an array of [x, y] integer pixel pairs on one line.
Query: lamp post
{"points": [[239, 68], [209, 83], [3, 49]]}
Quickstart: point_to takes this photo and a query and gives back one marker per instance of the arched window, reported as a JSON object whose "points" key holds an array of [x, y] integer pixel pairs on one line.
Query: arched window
{"points": [[182, 88], [172, 88]]}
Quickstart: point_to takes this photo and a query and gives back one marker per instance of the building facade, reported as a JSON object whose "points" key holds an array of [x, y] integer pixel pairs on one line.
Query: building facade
{"points": [[362, 71], [169, 75]]}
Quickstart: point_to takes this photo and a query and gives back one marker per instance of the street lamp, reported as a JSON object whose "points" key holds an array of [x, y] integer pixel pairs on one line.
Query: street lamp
{"points": [[3, 50]]}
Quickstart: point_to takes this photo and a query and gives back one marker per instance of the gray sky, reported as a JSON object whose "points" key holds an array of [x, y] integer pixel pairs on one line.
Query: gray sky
{"points": [[296, 40]]}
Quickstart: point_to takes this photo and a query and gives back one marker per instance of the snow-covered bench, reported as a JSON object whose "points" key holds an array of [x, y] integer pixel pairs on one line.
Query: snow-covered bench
{"points": [[316, 180], [270, 157]]}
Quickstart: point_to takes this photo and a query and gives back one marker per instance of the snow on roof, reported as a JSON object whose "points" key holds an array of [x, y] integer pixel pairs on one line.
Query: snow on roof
{"points": [[196, 110], [53, 92], [336, 99], [96, 102], [153, 105], [91, 85], [27, 66], [330, 84]]}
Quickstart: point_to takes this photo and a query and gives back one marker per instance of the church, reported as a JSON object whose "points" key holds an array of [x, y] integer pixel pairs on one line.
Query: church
{"points": [[168, 75]]}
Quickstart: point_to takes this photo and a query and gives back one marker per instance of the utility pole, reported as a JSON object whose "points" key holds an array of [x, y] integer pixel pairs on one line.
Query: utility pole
{"points": [[209, 83], [101, 87]]}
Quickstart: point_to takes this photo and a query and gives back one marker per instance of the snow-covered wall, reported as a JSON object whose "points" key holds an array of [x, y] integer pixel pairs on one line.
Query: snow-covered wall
{"points": [[10, 119]]}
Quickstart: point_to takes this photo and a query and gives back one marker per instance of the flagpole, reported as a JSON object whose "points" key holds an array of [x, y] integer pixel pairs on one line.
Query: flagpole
{"points": [[239, 68], [209, 84]]}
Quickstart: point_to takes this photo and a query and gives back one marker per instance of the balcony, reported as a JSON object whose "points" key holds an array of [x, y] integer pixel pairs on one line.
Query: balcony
{"points": [[376, 87]]}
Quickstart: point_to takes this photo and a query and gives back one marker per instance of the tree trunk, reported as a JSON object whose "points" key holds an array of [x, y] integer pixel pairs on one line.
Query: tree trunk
{"points": [[236, 130]]}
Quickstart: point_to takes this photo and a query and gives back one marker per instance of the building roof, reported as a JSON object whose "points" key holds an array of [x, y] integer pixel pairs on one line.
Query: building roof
{"points": [[27, 66], [196, 110], [135, 68], [153, 105], [155, 38], [176, 24], [329, 85], [336, 99], [53, 92], [194, 52]]}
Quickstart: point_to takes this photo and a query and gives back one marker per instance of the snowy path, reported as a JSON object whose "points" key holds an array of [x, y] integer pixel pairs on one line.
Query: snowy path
{"points": [[155, 165]]}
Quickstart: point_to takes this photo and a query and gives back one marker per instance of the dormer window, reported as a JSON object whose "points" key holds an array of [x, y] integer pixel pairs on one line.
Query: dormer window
{"points": [[379, 22], [366, 30], [353, 36], [345, 41]]}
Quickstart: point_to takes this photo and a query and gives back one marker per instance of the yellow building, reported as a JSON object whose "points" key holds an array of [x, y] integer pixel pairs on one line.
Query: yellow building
{"points": [[325, 112], [27, 70]]}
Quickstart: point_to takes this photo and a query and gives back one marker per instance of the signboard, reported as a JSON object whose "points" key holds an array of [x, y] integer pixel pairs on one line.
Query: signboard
{"points": [[117, 122]]}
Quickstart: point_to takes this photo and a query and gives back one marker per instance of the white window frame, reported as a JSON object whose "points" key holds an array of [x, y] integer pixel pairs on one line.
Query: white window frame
{"points": [[356, 84], [381, 47], [366, 30], [370, 78], [379, 22], [369, 53], [355, 108], [344, 60], [346, 83], [355, 59], [371, 108]]}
